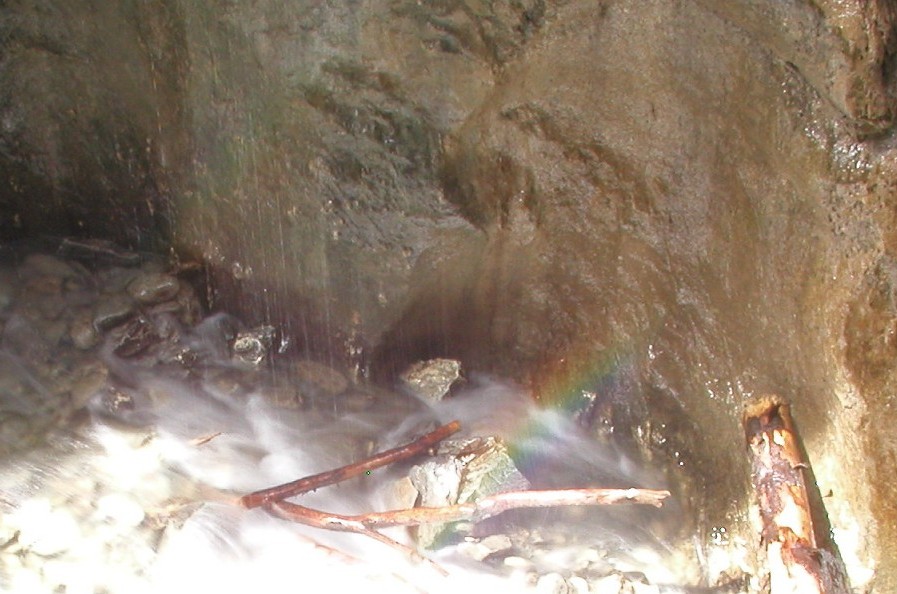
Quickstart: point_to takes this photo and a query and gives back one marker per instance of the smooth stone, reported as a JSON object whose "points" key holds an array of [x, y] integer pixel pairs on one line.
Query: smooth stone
{"points": [[154, 287], [517, 562], [82, 331], [112, 311], [585, 557], [497, 542], [25, 340], [44, 264], [552, 583], [578, 585], [115, 280], [51, 330], [611, 584], [51, 306], [474, 550], [44, 285]]}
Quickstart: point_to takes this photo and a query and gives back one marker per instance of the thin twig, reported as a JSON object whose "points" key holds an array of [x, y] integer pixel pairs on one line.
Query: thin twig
{"points": [[273, 499], [339, 523], [204, 439], [310, 483], [475, 511]]}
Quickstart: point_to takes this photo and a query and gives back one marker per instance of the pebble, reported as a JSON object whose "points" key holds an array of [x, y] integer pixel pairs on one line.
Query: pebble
{"points": [[43, 285], [153, 287], [91, 378], [112, 311], [585, 557], [578, 585], [47, 265], [82, 331], [114, 280], [474, 550], [552, 583], [518, 562], [52, 332], [611, 584], [497, 542]]}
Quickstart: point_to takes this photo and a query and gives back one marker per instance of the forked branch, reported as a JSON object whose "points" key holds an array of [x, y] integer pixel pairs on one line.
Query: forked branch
{"points": [[310, 483], [274, 499]]}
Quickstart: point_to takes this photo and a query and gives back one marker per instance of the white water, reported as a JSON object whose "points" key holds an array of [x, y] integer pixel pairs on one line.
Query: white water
{"points": [[78, 512]]}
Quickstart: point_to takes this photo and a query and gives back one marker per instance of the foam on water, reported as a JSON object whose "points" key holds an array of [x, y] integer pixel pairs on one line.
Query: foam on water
{"points": [[190, 445]]}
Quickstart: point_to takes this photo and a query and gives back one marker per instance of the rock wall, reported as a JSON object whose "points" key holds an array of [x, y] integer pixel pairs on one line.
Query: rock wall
{"points": [[679, 203]]}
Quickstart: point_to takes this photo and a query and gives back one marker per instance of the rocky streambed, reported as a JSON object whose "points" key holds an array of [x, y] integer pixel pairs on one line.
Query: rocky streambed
{"points": [[130, 421]]}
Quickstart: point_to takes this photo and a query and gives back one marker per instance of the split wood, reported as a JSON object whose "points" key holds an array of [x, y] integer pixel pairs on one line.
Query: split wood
{"points": [[797, 560], [274, 499]]}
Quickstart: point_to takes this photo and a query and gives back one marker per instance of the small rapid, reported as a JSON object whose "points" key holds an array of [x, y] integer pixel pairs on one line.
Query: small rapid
{"points": [[125, 457]]}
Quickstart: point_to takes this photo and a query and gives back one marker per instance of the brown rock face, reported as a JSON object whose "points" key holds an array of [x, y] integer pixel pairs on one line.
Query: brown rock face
{"points": [[672, 205]]}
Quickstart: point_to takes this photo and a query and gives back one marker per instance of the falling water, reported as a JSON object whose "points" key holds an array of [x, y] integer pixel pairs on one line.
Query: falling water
{"points": [[125, 459]]}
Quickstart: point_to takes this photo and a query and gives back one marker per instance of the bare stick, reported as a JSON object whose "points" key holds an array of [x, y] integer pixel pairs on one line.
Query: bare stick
{"points": [[476, 511], [204, 439], [318, 519], [310, 483]]}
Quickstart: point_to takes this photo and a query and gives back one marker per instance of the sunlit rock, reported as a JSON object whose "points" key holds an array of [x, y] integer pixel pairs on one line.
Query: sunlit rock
{"points": [[431, 380]]}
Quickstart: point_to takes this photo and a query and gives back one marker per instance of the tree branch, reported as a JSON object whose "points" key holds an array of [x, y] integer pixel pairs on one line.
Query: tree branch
{"points": [[310, 483]]}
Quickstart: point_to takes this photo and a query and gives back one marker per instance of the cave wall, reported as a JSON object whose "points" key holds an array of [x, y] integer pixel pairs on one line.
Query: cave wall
{"points": [[92, 141], [695, 199]]}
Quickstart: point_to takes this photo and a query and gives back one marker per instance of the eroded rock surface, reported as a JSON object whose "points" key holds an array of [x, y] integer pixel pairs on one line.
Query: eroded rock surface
{"points": [[659, 207]]}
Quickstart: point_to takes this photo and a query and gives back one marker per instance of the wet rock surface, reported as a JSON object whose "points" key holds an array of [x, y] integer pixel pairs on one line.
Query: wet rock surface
{"points": [[660, 208], [58, 333], [431, 380], [113, 453]]}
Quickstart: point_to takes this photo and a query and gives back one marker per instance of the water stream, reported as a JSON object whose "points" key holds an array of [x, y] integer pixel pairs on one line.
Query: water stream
{"points": [[128, 440]]}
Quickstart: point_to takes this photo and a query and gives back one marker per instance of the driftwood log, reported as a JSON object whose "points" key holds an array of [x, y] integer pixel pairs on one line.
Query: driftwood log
{"points": [[798, 563]]}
